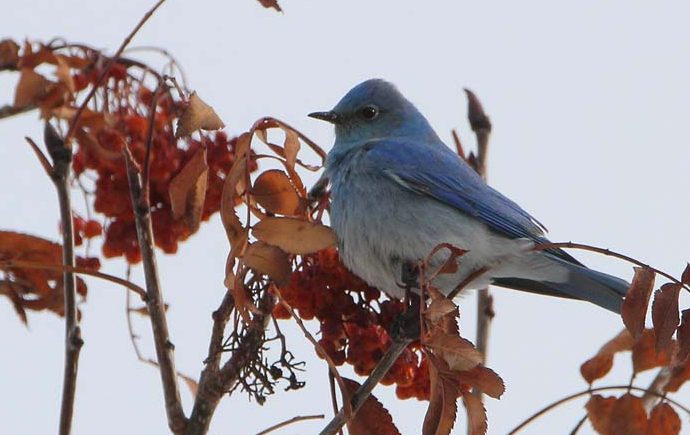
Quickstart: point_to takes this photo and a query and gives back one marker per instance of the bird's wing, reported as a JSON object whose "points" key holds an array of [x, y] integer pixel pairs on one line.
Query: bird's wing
{"points": [[434, 170]]}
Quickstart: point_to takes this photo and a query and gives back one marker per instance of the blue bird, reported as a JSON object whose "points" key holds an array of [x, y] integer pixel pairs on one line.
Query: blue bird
{"points": [[397, 191]]}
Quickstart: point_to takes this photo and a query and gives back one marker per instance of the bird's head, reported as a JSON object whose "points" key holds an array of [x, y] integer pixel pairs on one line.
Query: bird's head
{"points": [[372, 110]]}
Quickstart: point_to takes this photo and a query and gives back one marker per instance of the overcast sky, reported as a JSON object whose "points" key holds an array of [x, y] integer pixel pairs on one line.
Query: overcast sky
{"points": [[590, 109]]}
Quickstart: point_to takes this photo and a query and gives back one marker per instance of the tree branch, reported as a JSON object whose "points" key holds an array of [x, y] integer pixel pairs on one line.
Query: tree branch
{"points": [[8, 111], [481, 125], [159, 324], [215, 381], [289, 422], [59, 174], [104, 72]]}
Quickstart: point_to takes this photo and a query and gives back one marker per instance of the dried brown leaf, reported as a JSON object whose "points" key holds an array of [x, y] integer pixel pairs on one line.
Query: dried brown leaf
{"points": [[440, 308], [484, 379], [274, 191], [197, 115], [31, 88], [476, 415], [9, 54], [599, 412], [442, 411], [600, 364], [291, 146], [188, 190], [685, 277], [458, 353], [35, 289], [663, 421], [679, 375], [628, 416], [684, 336], [372, 418], [236, 232], [644, 354], [294, 236], [64, 74], [665, 317], [269, 260], [270, 4], [634, 309]]}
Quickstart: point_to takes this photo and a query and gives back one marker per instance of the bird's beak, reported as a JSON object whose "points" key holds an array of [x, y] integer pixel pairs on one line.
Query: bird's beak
{"points": [[329, 116]]}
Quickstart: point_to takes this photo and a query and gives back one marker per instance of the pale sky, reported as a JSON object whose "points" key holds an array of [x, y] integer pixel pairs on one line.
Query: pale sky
{"points": [[590, 109]]}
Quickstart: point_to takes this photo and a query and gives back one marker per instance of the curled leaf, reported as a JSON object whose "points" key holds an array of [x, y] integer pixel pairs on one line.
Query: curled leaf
{"points": [[32, 87], [644, 354], [476, 414], [268, 260], [685, 277], [600, 364], [234, 229], [274, 191], [443, 408], [188, 190], [294, 236], [634, 307], [197, 115], [665, 317], [684, 337]]}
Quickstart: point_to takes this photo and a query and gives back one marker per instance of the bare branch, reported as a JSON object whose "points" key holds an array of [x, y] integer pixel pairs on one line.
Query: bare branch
{"points": [[111, 60], [214, 381], [291, 421], [610, 253], [6, 264], [8, 111], [159, 324], [588, 391], [59, 174], [481, 125]]}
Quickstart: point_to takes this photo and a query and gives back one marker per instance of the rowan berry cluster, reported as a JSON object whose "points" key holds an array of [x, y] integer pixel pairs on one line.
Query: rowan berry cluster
{"points": [[354, 321], [99, 157]]}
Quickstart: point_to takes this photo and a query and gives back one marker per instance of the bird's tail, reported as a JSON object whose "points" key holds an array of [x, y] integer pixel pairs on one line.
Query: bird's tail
{"points": [[580, 283]]}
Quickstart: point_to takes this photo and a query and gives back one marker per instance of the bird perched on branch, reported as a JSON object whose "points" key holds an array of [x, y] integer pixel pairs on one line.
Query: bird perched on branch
{"points": [[397, 191]]}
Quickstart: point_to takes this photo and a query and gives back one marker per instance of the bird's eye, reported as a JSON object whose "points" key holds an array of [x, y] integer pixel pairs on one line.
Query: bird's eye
{"points": [[370, 112]]}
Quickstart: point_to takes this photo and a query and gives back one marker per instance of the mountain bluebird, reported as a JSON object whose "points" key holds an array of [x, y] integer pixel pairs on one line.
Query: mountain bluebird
{"points": [[397, 191]]}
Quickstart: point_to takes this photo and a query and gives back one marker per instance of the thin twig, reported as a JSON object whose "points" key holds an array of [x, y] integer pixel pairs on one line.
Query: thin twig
{"points": [[610, 253], [149, 138], [658, 386], [42, 159], [591, 391], [290, 421], [334, 399], [579, 424], [104, 72], [156, 307], [319, 350], [8, 264], [61, 167], [8, 111], [481, 125]]}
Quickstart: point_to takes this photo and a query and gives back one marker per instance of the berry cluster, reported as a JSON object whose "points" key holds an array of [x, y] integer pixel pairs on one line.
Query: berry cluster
{"points": [[99, 156], [354, 321]]}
